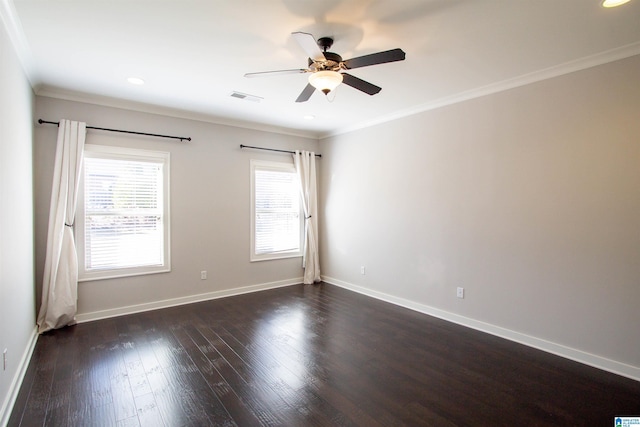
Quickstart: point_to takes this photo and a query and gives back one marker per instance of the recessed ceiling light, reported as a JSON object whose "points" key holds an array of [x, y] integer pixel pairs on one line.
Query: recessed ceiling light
{"points": [[135, 81], [614, 3], [309, 117]]}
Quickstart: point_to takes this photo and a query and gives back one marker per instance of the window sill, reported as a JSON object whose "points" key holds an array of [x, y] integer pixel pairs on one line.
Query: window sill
{"points": [[273, 256], [90, 277]]}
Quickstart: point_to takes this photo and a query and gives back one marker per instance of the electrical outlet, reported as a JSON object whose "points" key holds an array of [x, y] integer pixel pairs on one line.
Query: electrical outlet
{"points": [[460, 292], [203, 275], [362, 269]]}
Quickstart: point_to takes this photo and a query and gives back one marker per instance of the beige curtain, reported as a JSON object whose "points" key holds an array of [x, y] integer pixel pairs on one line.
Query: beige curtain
{"points": [[305, 163], [60, 281]]}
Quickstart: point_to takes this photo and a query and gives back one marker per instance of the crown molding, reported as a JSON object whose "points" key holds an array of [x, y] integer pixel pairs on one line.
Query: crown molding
{"points": [[14, 30], [525, 79], [50, 92]]}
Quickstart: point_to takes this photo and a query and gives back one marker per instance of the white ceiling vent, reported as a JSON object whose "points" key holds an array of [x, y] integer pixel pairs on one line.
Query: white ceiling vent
{"points": [[246, 96]]}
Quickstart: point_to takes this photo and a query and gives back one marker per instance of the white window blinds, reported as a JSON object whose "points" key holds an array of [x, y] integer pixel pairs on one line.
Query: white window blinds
{"points": [[124, 213], [276, 208]]}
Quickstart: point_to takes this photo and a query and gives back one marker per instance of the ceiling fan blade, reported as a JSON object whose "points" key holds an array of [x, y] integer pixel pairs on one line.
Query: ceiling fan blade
{"points": [[277, 72], [360, 84], [310, 46], [306, 93], [375, 58]]}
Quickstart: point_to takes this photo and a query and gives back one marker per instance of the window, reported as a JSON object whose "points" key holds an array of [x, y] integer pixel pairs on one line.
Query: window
{"points": [[122, 223], [276, 220]]}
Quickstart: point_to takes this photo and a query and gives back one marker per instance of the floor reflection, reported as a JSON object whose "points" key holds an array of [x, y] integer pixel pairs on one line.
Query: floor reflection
{"points": [[283, 340]]}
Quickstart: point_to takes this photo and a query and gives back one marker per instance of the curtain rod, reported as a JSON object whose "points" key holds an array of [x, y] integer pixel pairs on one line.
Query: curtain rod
{"points": [[272, 149], [181, 138]]}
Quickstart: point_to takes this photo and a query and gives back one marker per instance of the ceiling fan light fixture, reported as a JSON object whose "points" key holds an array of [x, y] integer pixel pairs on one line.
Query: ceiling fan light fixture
{"points": [[325, 81], [613, 3]]}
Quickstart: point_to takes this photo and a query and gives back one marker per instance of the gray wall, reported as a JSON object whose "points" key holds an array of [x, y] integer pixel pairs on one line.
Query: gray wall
{"points": [[528, 198], [17, 316], [209, 206]]}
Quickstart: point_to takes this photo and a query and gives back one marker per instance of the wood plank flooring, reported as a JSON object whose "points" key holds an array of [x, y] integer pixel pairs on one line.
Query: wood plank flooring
{"points": [[305, 356]]}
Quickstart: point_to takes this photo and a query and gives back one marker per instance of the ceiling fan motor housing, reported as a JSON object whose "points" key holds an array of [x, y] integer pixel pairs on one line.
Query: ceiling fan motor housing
{"points": [[332, 63]]}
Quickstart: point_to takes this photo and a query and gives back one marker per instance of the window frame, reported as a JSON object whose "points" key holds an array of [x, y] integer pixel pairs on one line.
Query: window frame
{"points": [[132, 154], [278, 167]]}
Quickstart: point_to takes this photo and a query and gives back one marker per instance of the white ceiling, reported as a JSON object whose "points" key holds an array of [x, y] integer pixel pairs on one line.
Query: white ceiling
{"points": [[193, 54]]}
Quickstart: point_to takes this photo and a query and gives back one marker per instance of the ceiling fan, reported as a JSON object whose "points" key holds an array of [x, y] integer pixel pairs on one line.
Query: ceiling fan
{"points": [[328, 69]]}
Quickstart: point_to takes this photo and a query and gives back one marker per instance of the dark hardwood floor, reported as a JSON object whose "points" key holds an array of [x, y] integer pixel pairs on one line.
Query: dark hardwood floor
{"points": [[305, 356]]}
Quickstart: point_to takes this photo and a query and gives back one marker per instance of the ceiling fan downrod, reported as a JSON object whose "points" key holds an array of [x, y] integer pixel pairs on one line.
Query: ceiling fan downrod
{"points": [[325, 43]]}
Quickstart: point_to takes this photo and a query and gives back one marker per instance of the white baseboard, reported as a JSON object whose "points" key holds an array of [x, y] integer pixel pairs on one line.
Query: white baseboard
{"points": [[14, 388], [155, 305], [595, 361]]}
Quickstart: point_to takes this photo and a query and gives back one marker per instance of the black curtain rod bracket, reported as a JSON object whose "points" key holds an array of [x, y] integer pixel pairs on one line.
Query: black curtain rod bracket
{"points": [[272, 149], [181, 138]]}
